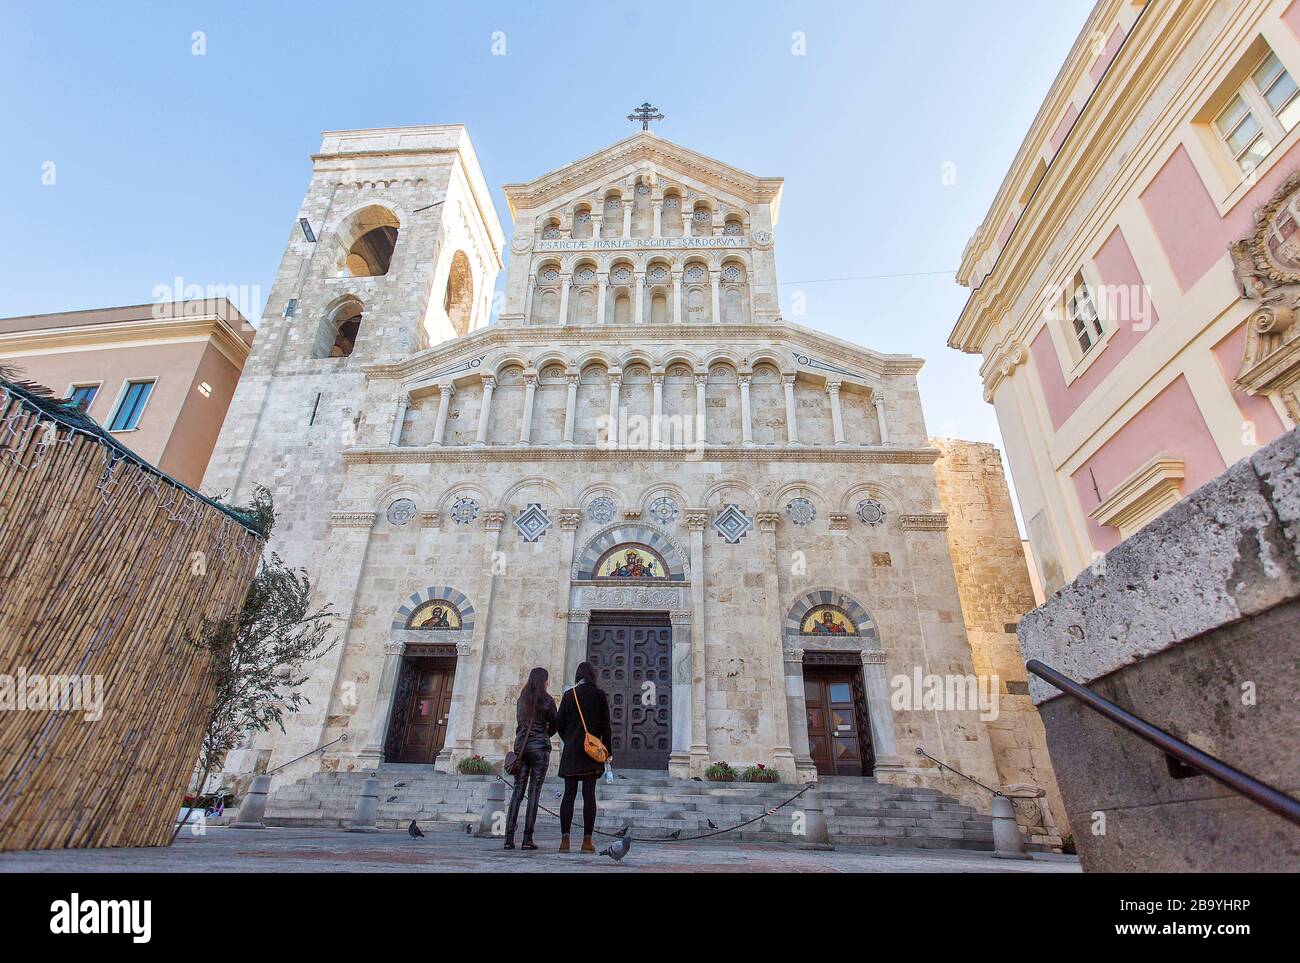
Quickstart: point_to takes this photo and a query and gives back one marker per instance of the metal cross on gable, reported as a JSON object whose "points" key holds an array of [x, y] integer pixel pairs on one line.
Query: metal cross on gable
{"points": [[645, 113]]}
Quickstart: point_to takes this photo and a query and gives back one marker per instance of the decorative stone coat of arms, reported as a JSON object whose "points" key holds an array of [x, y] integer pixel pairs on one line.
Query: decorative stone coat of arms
{"points": [[1267, 266]]}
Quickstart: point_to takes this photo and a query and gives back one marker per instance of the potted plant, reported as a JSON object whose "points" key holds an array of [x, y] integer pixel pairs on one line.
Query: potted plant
{"points": [[474, 766], [759, 773], [720, 772]]}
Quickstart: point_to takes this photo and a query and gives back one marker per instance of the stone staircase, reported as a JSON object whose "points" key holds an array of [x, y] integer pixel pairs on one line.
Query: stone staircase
{"points": [[651, 804]]}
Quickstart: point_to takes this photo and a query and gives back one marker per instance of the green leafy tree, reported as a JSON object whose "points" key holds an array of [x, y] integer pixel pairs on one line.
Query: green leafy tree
{"points": [[261, 657]]}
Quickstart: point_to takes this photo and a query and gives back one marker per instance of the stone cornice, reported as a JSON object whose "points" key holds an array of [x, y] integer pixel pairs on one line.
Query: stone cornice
{"points": [[119, 334], [397, 455], [927, 522], [352, 519], [1150, 490], [419, 366], [614, 159]]}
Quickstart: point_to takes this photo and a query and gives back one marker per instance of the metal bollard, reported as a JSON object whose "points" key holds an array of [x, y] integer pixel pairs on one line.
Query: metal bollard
{"points": [[1007, 841], [816, 834], [252, 808], [363, 817], [493, 803]]}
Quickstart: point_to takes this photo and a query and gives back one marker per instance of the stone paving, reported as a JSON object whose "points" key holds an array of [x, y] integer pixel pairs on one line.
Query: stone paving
{"points": [[223, 850]]}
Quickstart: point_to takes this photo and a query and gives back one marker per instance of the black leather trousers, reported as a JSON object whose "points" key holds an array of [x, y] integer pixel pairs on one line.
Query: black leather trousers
{"points": [[531, 776]]}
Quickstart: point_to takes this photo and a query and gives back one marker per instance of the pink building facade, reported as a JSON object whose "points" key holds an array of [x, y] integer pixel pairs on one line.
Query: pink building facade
{"points": [[1134, 282]]}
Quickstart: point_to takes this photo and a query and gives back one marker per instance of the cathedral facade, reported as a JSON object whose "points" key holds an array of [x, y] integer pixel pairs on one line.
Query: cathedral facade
{"points": [[639, 463]]}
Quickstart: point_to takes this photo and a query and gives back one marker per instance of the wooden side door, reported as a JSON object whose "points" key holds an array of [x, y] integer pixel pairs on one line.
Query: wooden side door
{"points": [[835, 742], [426, 724]]}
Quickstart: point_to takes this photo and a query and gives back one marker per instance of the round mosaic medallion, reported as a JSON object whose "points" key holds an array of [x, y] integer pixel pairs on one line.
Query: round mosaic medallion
{"points": [[663, 510], [871, 511], [464, 510], [401, 511], [800, 511], [601, 509]]}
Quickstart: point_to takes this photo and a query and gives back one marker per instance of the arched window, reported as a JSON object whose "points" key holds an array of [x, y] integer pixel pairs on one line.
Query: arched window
{"points": [[735, 292], [581, 222], [458, 299], [364, 243], [339, 330], [701, 220], [670, 221], [546, 296], [611, 224], [733, 225], [551, 230]]}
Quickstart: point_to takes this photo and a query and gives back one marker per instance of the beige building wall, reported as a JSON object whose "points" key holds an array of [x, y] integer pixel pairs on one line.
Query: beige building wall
{"points": [[994, 583], [192, 351]]}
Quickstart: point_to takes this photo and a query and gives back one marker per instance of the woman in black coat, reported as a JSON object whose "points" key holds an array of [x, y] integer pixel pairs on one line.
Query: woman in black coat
{"points": [[535, 720], [584, 701]]}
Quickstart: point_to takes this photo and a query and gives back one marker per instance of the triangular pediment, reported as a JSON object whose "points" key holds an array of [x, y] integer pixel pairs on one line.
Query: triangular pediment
{"points": [[643, 151]]}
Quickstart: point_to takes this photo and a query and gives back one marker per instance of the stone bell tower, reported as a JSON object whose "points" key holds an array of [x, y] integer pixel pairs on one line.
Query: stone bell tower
{"points": [[396, 247]]}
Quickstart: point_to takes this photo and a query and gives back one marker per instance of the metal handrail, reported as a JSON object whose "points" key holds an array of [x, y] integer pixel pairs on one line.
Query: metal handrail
{"points": [[342, 738], [944, 765], [1274, 800]]}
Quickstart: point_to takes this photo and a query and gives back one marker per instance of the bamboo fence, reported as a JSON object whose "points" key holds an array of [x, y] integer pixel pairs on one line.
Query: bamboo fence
{"points": [[107, 567]]}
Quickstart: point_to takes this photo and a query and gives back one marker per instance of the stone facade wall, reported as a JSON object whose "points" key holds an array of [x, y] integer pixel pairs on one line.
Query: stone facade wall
{"points": [[994, 584]]}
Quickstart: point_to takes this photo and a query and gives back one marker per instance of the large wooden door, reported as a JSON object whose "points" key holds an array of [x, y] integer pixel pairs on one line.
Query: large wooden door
{"points": [[838, 739], [632, 655], [428, 704]]}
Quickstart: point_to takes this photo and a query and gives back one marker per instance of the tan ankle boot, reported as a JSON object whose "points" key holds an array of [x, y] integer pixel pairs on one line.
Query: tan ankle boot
{"points": [[587, 846], [564, 843]]}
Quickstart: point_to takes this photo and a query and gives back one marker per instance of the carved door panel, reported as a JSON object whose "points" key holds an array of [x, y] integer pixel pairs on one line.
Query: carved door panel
{"points": [[839, 741], [429, 704], [632, 656]]}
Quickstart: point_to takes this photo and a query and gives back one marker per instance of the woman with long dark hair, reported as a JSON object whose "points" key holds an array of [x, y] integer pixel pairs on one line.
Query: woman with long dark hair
{"points": [[535, 720], [583, 709]]}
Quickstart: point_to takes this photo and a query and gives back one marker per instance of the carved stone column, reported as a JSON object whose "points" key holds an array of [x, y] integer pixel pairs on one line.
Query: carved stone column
{"points": [[615, 379], [697, 521], [571, 408], [627, 218], [530, 396], [399, 419], [881, 420], [677, 297], [485, 412], [837, 416], [638, 315], [782, 755], [701, 412], [569, 519], [566, 282], [659, 217], [746, 427], [679, 759], [797, 713], [372, 753], [602, 283], [791, 428], [879, 712], [528, 297], [658, 380], [444, 403], [715, 278]]}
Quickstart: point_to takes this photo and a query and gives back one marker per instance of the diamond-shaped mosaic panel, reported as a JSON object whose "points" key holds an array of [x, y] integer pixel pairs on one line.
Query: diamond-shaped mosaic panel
{"points": [[732, 523], [532, 521]]}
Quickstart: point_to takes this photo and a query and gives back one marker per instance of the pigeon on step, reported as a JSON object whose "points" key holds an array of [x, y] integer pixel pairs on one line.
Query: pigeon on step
{"points": [[675, 834], [399, 785], [696, 779], [414, 830], [391, 799], [618, 849], [710, 822], [621, 833]]}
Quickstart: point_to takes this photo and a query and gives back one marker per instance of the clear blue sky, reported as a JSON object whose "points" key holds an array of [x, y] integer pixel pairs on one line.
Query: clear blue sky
{"points": [[169, 164]]}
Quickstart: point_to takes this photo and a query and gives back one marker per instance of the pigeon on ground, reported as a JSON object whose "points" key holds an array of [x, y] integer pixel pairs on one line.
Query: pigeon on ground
{"points": [[710, 822], [391, 799], [399, 785], [696, 779], [675, 834], [617, 850], [621, 833], [414, 830]]}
